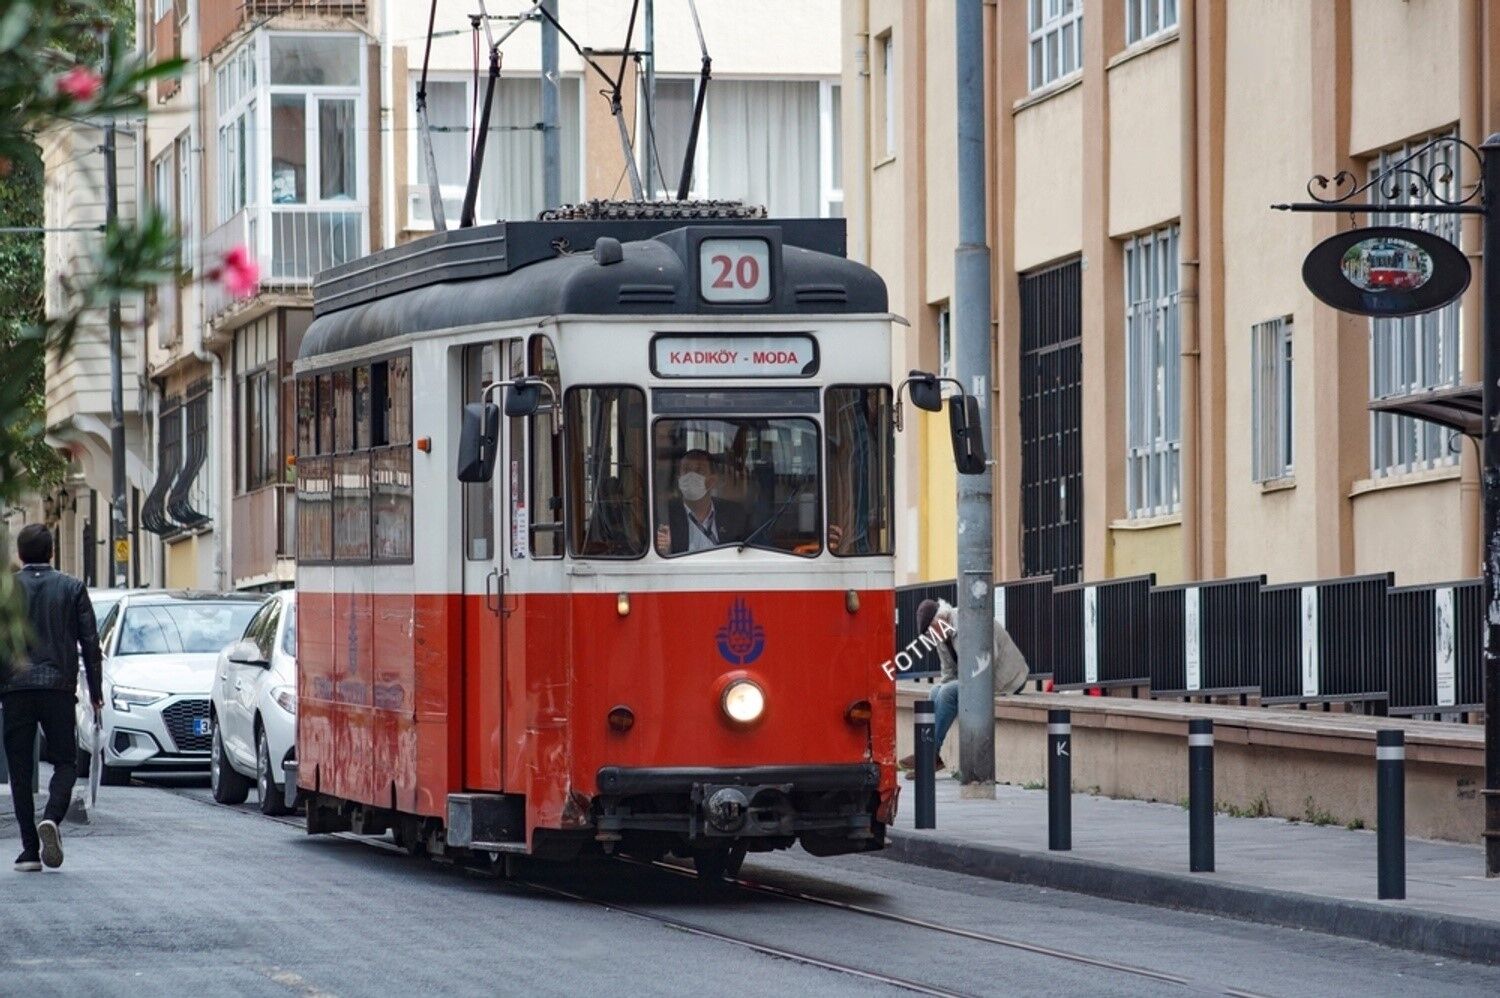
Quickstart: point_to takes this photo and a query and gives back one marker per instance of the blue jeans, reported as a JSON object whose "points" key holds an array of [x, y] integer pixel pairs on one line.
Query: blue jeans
{"points": [[945, 711]]}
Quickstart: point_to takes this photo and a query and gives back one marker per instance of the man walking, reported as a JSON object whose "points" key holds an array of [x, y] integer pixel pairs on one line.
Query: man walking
{"points": [[39, 689]]}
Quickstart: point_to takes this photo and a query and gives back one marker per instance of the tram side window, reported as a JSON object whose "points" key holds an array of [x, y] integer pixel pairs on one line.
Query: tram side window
{"points": [[351, 471], [390, 460], [546, 458], [606, 431], [861, 461], [314, 469]]}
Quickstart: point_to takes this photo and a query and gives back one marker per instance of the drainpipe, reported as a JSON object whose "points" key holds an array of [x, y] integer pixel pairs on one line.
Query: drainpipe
{"points": [[1192, 436], [387, 138]]}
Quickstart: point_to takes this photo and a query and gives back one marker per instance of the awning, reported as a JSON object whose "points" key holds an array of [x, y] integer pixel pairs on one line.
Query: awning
{"points": [[1458, 408]]}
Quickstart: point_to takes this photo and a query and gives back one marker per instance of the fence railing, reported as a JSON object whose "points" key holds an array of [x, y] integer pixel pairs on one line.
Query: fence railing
{"points": [[292, 244], [1357, 641]]}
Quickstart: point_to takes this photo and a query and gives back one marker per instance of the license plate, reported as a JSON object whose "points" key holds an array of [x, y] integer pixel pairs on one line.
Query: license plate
{"points": [[203, 726]]}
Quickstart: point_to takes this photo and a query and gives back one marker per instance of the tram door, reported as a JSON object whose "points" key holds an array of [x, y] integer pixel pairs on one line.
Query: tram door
{"points": [[486, 571]]}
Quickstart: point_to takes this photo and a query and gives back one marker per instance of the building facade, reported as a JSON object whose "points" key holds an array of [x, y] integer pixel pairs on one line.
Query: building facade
{"points": [[1168, 396], [293, 134]]}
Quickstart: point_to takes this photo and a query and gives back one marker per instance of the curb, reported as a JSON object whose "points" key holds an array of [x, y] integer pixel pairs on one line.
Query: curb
{"points": [[1454, 936]]}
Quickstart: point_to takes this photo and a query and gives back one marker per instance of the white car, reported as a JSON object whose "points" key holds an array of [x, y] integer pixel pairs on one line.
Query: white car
{"points": [[255, 708], [159, 653]]}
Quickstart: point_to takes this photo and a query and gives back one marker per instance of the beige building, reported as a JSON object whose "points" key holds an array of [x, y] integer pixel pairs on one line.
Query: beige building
{"points": [[1169, 397], [293, 134]]}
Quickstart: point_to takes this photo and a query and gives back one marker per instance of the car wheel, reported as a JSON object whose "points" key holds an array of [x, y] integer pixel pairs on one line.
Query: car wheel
{"points": [[229, 787], [272, 798]]}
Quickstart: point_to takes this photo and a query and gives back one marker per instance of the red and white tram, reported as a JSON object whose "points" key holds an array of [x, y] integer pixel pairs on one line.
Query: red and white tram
{"points": [[656, 615]]}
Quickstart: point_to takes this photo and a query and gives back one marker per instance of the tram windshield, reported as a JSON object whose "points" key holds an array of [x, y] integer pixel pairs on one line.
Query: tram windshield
{"points": [[726, 482]]}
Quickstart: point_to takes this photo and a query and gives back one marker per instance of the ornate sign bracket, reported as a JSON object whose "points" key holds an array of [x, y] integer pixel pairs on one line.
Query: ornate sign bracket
{"points": [[1401, 178]]}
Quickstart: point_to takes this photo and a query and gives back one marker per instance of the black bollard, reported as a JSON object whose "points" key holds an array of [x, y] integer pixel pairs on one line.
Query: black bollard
{"points": [[1059, 780], [1201, 796], [1390, 807], [926, 764]]}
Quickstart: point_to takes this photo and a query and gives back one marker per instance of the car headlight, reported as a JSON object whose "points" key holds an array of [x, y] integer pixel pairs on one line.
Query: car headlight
{"points": [[125, 697], [286, 698], [744, 701]]}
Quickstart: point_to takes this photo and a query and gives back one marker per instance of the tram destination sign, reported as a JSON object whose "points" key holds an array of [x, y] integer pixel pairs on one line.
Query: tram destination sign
{"points": [[794, 356], [1386, 270]]}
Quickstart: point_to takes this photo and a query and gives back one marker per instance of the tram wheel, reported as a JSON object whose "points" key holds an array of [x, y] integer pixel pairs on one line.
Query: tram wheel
{"points": [[718, 864]]}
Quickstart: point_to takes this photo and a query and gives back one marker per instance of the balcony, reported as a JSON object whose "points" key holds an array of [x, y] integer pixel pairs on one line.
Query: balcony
{"points": [[265, 535], [291, 242], [222, 21]]}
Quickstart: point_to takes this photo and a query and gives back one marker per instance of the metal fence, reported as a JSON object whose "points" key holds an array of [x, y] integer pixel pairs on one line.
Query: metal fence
{"points": [[1360, 641], [1435, 642], [1205, 638]]}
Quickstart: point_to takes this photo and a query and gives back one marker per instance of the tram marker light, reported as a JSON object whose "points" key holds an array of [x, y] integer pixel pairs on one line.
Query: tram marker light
{"points": [[622, 604], [859, 712], [621, 718], [851, 600], [744, 701]]}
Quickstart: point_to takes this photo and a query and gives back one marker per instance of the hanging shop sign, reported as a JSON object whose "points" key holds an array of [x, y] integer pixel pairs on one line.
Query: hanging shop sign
{"points": [[1386, 271]]}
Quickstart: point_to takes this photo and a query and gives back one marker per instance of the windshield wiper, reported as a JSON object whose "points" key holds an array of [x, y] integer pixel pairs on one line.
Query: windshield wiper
{"points": [[796, 494]]}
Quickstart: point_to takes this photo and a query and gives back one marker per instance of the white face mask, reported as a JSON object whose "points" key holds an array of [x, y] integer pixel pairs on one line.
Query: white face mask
{"points": [[692, 485]]}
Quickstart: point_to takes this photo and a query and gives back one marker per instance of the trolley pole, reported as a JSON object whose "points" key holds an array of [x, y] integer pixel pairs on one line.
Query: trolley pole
{"points": [[648, 147], [551, 117], [971, 323], [1490, 495]]}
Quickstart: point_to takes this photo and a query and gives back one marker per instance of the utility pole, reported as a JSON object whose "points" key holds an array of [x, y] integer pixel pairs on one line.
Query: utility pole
{"points": [[119, 531], [971, 323], [1490, 497], [551, 119], [649, 145]]}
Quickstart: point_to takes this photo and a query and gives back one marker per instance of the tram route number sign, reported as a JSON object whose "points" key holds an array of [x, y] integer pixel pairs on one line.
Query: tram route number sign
{"points": [[792, 356], [734, 270]]}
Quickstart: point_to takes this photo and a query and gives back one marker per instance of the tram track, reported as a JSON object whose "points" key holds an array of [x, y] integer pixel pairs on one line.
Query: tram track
{"points": [[787, 894]]}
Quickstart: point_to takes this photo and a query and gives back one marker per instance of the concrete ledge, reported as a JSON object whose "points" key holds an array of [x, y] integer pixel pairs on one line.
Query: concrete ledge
{"points": [[1384, 923]]}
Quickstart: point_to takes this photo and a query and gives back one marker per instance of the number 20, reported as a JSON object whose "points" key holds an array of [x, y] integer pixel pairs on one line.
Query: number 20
{"points": [[745, 271]]}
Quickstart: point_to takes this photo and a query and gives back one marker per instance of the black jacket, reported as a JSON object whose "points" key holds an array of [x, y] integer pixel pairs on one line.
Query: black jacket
{"points": [[729, 521], [61, 618]]}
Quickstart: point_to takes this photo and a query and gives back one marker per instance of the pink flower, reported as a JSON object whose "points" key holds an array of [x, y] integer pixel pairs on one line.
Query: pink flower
{"points": [[239, 272], [80, 84]]}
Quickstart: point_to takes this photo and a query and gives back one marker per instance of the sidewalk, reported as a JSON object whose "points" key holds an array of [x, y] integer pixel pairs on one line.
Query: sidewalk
{"points": [[1320, 878]]}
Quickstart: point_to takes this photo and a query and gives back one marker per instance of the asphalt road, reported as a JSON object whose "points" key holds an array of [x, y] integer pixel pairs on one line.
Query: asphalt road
{"points": [[168, 893]]}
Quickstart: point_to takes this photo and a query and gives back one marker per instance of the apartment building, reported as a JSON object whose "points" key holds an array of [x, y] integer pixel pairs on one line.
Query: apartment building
{"points": [[1169, 397], [294, 134]]}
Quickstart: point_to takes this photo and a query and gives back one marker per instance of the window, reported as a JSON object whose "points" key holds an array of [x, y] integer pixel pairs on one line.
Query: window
{"points": [[510, 185], [1056, 40], [289, 630], [390, 461], [479, 497], [1420, 352], [1145, 18], [1152, 361], [186, 202], [723, 482], [606, 429], [195, 628], [545, 525], [831, 145], [1271, 399], [861, 462], [235, 83], [884, 88], [945, 343], [255, 367]]}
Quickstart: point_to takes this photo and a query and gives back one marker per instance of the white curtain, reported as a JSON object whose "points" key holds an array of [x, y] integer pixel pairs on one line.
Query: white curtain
{"points": [[511, 184], [448, 119], [763, 144]]}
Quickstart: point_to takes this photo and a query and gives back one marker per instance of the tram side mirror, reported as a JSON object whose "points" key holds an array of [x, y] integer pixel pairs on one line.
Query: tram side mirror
{"points": [[476, 442], [963, 425], [926, 391], [522, 398]]}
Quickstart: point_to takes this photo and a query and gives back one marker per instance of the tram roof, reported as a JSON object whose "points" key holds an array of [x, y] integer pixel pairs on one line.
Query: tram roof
{"points": [[516, 270]]}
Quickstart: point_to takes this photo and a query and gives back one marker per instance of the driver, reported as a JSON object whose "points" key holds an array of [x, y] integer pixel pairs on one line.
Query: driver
{"points": [[696, 519]]}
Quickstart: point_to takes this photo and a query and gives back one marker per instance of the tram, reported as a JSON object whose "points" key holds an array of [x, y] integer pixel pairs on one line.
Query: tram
{"points": [[595, 533]]}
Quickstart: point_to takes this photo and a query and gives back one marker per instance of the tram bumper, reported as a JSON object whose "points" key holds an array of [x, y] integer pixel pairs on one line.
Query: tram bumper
{"points": [[830, 808]]}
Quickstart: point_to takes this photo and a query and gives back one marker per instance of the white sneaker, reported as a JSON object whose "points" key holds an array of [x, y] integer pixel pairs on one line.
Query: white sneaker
{"points": [[51, 836], [27, 863]]}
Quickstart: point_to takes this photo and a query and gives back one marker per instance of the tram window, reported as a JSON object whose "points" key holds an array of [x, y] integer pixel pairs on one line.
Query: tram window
{"points": [[479, 497], [391, 513], [380, 403], [343, 413], [314, 509], [546, 514], [606, 430], [861, 461], [362, 409], [398, 392], [324, 403], [723, 482], [351, 507], [307, 417]]}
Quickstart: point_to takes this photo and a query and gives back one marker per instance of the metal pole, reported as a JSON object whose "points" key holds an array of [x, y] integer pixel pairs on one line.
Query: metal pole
{"points": [[119, 531], [925, 731], [551, 117], [650, 102], [1390, 807], [1059, 780], [971, 315], [1201, 796], [1490, 497]]}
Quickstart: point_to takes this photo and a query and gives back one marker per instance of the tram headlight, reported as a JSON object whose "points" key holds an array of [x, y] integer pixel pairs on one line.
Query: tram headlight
{"points": [[744, 701]]}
